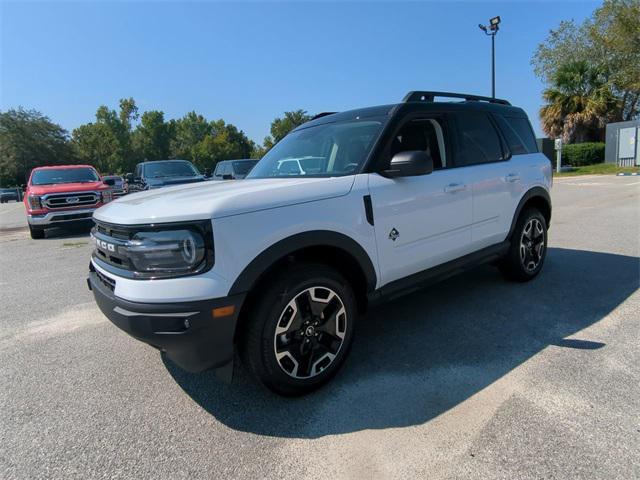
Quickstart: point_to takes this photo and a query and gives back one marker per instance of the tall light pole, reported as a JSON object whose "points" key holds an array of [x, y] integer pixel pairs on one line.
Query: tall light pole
{"points": [[492, 30]]}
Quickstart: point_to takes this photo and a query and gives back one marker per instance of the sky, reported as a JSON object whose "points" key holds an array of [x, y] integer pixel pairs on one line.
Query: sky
{"points": [[247, 63]]}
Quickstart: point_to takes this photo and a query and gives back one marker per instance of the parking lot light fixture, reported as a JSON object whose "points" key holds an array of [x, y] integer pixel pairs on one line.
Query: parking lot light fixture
{"points": [[492, 30]]}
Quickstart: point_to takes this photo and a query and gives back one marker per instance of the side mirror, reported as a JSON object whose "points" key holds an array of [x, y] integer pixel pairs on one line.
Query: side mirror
{"points": [[109, 181], [23, 187], [409, 164], [227, 176], [207, 172], [129, 178]]}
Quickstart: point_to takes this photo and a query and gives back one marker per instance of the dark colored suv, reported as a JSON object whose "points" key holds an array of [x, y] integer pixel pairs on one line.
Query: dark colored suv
{"points": [[8, 194], [162, 173]]}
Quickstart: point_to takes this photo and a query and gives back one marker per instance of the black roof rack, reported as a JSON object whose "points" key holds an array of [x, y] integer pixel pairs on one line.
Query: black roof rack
{"points": [[323, 114], [420, 96]]}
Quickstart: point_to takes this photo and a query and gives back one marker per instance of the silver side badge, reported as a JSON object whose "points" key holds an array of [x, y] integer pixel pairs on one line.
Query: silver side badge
{"points": [[393, 234]]}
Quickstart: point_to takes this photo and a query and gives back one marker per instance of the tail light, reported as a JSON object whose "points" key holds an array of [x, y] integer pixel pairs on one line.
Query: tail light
{"points": [[34, 202], [107, 196]]}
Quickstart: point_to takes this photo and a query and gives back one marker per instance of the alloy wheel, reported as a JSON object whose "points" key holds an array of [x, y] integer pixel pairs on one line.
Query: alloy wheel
{"points": [[532, 245], [310, 332]]}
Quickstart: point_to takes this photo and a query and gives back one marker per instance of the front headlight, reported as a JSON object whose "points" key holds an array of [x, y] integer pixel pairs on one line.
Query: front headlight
{"points": [[107, 196], [155, 251], [171, 251], [34, 202]]}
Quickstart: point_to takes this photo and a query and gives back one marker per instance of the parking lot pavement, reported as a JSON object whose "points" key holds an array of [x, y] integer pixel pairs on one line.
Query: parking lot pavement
{"points": [[471, 378], [12, 216]]}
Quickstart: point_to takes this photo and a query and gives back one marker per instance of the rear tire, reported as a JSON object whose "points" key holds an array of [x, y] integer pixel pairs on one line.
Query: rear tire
{"points": [[300, 330], [528, 249], [36, 233]]}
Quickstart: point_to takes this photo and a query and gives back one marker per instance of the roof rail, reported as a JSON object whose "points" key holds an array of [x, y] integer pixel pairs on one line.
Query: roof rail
{"points": [[420, 96], [323, 114]]}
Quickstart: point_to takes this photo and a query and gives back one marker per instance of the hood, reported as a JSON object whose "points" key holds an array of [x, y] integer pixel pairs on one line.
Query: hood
{"points": [[67, 187], [219, 199], [158, 182]]}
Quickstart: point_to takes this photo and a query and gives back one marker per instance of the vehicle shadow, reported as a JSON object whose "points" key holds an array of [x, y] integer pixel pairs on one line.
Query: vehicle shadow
{"points": [[422, 354], [70, 231]]}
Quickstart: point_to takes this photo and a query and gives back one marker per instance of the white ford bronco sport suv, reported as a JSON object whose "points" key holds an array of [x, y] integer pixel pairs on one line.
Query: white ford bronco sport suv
{"points": [[282, 265]]}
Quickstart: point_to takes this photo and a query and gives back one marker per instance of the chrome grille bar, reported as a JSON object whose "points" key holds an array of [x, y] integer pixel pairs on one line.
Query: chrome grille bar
{"points": [[73, 199]]}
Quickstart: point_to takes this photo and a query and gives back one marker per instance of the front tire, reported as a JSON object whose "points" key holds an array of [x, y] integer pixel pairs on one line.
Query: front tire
{"points": [[300, 330], [36, 233], [528, 249]]}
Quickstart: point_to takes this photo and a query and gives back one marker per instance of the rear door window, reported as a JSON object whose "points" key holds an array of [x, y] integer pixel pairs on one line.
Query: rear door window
{"points": [[478, 140]]}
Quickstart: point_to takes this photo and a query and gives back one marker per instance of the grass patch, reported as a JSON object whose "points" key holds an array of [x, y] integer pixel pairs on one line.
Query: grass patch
{"points": [[599, 169]]}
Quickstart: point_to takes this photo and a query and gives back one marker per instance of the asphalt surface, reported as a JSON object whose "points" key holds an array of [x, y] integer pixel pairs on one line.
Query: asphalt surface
{"points": [[472, 378]]}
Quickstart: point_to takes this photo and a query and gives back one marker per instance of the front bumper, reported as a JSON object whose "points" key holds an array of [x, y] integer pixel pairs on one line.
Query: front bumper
{"points": [[186, 331], [54, 218]]}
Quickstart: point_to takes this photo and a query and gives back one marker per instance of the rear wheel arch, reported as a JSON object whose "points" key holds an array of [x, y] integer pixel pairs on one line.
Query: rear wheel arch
{"points": [[537, 198]]}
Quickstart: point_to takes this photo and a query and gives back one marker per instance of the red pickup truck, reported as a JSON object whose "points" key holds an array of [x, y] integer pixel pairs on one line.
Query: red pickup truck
{"points": [[63, 194]]}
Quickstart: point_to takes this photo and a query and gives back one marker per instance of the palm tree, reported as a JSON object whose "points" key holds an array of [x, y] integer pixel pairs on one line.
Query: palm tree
{"points": [[579, 104]]}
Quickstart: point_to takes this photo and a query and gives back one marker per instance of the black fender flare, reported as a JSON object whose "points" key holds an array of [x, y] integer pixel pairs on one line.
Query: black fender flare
{"points": [[287, 246], [532, 193]]}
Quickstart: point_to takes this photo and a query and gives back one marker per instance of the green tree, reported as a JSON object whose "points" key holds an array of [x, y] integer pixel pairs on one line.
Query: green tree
{"points": [[238, 144], [187, 133], [29, 139], [280, 127], [616, 31], [609, 43], [579, 104], [205, 143], [150, 140], [97, 144], [106, 144], [128, 113]]}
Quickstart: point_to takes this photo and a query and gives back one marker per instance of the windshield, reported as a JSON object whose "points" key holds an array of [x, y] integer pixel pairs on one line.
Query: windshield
{"points": [[332, 149], [169, 169], [52, 176], [243, 167]]}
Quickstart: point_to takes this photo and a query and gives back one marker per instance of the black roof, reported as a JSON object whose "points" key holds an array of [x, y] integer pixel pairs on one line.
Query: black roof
{"points": [[417, 101]]}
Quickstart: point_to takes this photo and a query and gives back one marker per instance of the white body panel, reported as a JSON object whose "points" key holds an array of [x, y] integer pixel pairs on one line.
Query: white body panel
{"points": [[432, 215], [249, 216], [497, 190], [198, 201]]}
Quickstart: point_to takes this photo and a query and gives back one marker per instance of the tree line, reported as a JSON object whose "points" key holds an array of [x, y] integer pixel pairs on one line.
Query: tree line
{"points": [[118, 139], [592, 73]]}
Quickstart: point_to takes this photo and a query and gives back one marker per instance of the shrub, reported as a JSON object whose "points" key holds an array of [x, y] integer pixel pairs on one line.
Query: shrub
{"points": [[579, 154]]}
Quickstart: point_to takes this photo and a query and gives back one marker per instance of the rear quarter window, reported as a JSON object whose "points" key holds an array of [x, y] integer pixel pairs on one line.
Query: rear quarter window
{"points": [[518, 134]]}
